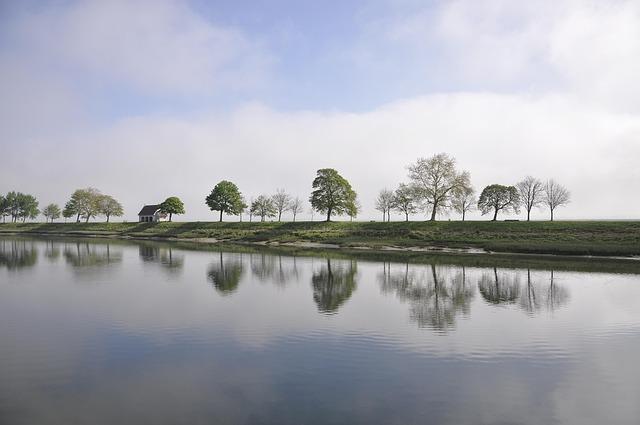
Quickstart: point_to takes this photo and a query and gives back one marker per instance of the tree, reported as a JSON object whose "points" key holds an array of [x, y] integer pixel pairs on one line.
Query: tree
{"points": [[84, 203], [463, 200], [531, 193], [497, 197], [69, 211], [226, 198], [295, 206], [404, 200], [12, 208], [435, 179], [27, 207], [108, 206], [263, 207], [555, 195], [281, 201], [51, 212], [354, 208], [172, 205], [384, 203], [332, 193], [4, 208]]}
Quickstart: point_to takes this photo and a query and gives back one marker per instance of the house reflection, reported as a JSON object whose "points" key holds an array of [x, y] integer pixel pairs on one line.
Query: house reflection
{"points": [[436, 295], [334, 284], [18, 254], [225, 272]]}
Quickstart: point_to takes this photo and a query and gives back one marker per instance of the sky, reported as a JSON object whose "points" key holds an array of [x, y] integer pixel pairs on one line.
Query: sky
{"points": [[155, 98]]}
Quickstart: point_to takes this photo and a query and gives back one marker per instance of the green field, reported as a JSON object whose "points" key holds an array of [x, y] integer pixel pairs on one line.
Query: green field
{"points": [[614, 238]]}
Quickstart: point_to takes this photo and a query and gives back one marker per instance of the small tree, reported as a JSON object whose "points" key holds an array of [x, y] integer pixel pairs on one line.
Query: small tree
{"points": [[295, 206], [497, 197], [384, 203], [70, 210], [85, 203], [354, 208], [51, 212], [263, 207], [108, 206], [332, 193], [4, 208], [27, 207], [463, 200], [226, 198], [531, 193], [281, 200], [172, 205], [404, 200], [555, 195]]}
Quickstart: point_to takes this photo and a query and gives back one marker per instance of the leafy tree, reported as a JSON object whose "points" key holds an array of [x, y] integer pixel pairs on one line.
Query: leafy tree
{"points": [[463, 200], [108, 206], [531, 193], [51, 212], [172, 205], [226, 198], [354, 208], [13, 205], [84, 203], [404, 200], [435, 179], [295, 206], [555, 195], [332, 193], [4, 208], [70, 210], [497, 197], [28, 207], [281, 201], [263, 207], [384, 203]]}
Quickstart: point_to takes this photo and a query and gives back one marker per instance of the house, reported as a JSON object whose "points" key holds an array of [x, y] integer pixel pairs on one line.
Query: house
{"points": [[151, 214]]}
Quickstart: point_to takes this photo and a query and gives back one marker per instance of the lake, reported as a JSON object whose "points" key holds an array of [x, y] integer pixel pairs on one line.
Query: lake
{"points": [[115, 332]]}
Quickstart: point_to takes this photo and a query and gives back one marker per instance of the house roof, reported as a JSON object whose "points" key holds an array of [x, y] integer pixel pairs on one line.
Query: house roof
{"points": [[149, 210]]}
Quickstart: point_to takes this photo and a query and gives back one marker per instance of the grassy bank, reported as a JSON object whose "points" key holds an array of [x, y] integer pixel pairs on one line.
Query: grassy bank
{"points": [[564, 238]]}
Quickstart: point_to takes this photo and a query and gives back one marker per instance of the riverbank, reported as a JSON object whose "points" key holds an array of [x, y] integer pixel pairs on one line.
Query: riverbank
{"points": [[597, 238]]}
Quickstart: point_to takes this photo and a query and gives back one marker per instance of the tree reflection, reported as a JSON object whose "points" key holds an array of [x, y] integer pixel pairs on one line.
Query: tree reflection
{"points": [[52, 250], [435, 297], [17, 254], [169, 259], [84, 254], [503, 289], [333, 284], [267, 267], [225, 274]]}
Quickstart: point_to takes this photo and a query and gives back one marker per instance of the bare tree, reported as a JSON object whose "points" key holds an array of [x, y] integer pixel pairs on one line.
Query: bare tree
{"points": [[555, 195], [263, 207], [295, 206], [463, 200], [384, 203], [404, 200], [531, 193], [281, 201], [435, 180]]}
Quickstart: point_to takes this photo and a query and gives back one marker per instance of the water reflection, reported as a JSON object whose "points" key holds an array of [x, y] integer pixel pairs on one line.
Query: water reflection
{"points": [[503, 288], [334, 284], [225, 273], [80, 255], [436, 294], [52, 250], [169, 259], [17, 254], [278, 269], [538, 294]]}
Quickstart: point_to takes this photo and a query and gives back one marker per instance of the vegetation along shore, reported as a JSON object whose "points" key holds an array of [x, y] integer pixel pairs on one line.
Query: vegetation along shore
{"points": [[598, 238]]}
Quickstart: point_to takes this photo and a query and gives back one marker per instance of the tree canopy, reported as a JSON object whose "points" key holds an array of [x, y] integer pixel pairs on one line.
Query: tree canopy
{"points": [[51, 212], [108, 207], [497, 197], [332, 193], [226, 198], [19, 205], [555, 195], [172, 205], [84, 203], [264, 206]]}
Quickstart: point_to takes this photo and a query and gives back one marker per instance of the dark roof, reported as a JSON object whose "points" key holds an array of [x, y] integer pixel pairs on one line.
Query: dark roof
{"points": [[149, 210]]}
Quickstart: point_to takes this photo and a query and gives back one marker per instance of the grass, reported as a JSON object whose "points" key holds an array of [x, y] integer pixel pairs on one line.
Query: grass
{"points": [[601, 238]]}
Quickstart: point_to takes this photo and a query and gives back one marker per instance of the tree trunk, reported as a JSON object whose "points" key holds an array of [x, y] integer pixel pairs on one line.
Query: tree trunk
{"points": [[220, 216], [463, 212], [170, 216], [78, 218], [528, 214], [433, 212], [551, 214], [328, 214], [294, 217], [406, 216], [88, 217], [495, 215], [279, 215], [107, 218]]}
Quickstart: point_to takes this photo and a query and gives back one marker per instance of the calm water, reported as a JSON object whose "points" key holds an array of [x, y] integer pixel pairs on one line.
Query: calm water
{"points": [[124, 333]]}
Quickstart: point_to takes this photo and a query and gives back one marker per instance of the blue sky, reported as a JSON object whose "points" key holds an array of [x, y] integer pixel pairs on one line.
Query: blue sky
{"points": [[264, 92]]}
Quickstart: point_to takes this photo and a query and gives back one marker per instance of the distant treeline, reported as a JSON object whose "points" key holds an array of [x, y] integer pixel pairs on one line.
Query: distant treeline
{"points": [[435, 185]]}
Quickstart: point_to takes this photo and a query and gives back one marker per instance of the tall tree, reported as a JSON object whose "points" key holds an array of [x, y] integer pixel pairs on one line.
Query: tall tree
{"points": [[84, 203], [281, 200], [295, 206], [28, 207], [51, 212], [263, 207], [404, 200], [531, 193], [463, 200], [435, 179], [13, 205], [332, 193], [555, 195], [4, 208], [384, 203], [108, 206], [497, 197], [172, 205], [226, 198]]}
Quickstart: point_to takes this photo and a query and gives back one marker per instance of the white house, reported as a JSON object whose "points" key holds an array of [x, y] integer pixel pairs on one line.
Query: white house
{"points": [[151, 214]]}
